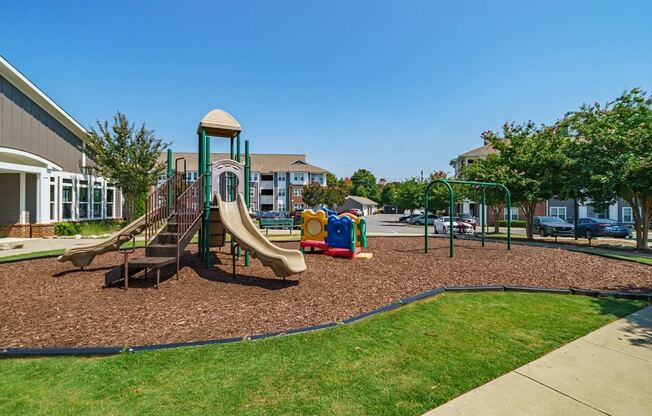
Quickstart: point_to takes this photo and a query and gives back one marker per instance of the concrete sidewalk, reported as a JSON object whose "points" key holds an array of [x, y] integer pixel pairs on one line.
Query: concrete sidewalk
{"points": [[607, 372]]}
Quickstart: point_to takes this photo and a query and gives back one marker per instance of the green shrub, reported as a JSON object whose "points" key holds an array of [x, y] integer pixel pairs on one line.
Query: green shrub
{"points": [[99, 227], [515, 223], [66, 228]]}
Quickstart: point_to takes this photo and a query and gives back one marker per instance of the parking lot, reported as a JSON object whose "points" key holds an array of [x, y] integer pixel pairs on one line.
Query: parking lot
{"points": [[388, 224]]}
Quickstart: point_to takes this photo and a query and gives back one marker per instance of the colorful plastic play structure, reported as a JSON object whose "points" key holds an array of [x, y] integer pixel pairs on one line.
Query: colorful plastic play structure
{"points": [[343, 235], [214, 206]]}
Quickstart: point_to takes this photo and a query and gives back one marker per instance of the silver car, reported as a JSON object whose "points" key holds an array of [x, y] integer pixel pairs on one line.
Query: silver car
{"points": [[442, 225]]}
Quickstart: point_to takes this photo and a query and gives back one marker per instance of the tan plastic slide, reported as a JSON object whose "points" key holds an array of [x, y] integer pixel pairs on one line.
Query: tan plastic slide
{"points": [[237, 222], [83, 255]]}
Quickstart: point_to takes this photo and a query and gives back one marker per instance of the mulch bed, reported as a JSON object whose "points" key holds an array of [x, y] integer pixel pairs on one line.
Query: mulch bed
{"points": [[46, 303]]}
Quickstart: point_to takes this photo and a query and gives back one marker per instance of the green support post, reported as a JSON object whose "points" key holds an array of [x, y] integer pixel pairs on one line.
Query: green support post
{"points": [[509, 218], [237, 158], [451, 210], [168, 176], [207, 201], [482, 215], [451, 194], [200, 171], [246, 188], [231, 190]]}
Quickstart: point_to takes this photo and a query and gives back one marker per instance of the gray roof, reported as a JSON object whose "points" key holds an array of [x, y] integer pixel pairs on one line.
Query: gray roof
{"points": [[362, 200], [485, 150], [260, 162]]}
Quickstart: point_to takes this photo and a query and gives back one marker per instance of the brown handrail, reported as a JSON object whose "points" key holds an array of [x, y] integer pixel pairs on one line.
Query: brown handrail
{"points": [[189, 207], [160, 205]]}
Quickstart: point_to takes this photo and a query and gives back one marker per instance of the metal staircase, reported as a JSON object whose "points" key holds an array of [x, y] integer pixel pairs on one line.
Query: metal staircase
{"points": [[172, 217]]}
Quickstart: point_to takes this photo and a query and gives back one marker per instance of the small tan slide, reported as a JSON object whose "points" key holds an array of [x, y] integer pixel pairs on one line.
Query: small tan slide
{"points": [[237, 222], [83, 255]]}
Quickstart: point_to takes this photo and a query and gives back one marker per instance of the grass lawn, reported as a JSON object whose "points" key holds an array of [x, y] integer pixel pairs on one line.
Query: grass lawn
{"points": [[399, 363], [639, 259]]}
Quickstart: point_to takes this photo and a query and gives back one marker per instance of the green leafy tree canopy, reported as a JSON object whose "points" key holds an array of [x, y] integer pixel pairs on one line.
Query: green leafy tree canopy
{"points": [[127, 156]]}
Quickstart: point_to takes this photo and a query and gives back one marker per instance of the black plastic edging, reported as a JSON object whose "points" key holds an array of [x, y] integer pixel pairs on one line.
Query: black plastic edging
{"points": [[310, 328], [538, 290], [52, 352], [183, 344], [371, 313], [490, 288], [422, 295], [94, 351]]}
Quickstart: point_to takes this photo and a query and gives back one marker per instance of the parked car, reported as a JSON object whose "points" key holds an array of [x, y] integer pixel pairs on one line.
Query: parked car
{"points": [[355, 211], [470, 219], [420, 219], [270, 215], [442, 225], [594, 227], [546, 226], [407, 217], [296, 216]]}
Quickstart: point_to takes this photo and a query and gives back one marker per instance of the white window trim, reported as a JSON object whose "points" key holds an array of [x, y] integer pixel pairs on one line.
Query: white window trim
{"points": [[558, 211], [631, 215]]}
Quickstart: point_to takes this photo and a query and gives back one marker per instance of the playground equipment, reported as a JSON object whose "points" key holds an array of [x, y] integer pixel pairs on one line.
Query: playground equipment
{"points": [[451, 209], [214, 205], [83, 255], [343, 235]]}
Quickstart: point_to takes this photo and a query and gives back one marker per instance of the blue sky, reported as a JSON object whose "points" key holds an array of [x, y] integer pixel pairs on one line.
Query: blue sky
{"points": [[394, 87]]}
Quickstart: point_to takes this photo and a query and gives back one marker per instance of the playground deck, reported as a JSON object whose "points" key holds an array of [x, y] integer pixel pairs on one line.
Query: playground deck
{"points": [[46, 303]]}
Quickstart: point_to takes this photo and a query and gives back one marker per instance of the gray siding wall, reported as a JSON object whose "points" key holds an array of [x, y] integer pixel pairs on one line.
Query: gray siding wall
{"points": [[9, 203], [351, 204], [30, 196], [25, 126], [568, 203]]}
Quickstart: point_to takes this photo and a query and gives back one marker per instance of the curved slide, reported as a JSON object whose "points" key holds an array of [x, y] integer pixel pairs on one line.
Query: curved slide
{"points": [[237, 222], [83, 255]]}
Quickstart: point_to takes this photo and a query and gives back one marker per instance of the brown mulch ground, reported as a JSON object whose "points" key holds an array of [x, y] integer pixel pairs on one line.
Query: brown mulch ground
{"points": [[46, 303]]}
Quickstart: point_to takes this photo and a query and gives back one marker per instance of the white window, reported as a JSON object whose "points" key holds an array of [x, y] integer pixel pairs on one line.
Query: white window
{"points": [[297, 191], [558, 212], [251, 191], [252, 206], [298, 176], [82, 204], [53, 187], [592, 213], [628, 216], [281, 206], [281, 192], [298, 206], [514, 213], [281, 178], [66, 199], [110, 201], [97, 200]]}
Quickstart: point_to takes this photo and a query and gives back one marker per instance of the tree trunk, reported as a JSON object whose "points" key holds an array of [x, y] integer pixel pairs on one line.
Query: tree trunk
{"points": [[131, 201], [642, 211], [496, 209], [529, 208]]}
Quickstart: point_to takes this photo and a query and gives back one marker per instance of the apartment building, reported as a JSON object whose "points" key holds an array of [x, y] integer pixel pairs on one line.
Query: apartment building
{"points": [[45, 173], [620, 210], [276, 180]]}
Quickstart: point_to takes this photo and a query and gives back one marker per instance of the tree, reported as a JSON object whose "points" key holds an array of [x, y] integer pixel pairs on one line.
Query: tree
{"points": [[615, 147], [389, 194], [361, 191], [313, 194], [488, 170], [126, 156], [531, 157], [364, 179], [334, 196], [410, 194]]}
